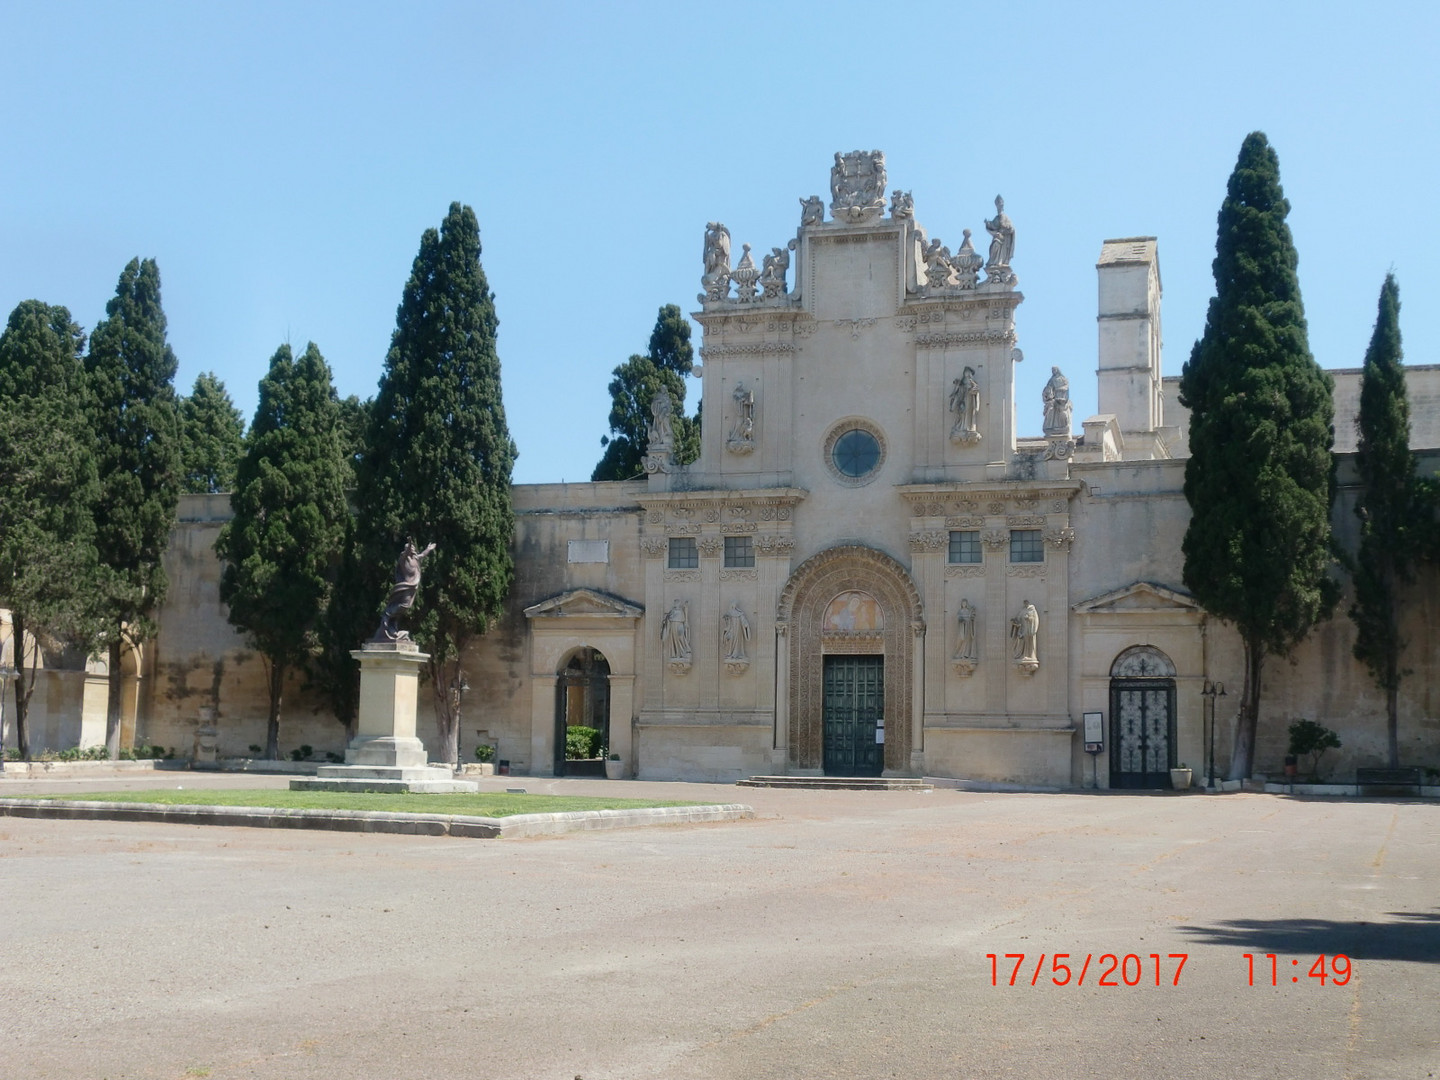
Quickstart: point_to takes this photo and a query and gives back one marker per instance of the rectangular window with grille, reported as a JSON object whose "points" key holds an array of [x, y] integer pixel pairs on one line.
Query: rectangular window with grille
{"points": [[739, 551], [965, 547], [684, 555], [1026, 545]]}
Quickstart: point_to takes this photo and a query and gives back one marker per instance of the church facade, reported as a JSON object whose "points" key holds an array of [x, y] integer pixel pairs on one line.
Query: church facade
{"points": [[870, 570]]}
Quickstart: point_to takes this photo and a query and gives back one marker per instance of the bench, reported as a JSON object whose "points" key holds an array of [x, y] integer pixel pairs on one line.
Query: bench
{"points": [[1387, 778]]}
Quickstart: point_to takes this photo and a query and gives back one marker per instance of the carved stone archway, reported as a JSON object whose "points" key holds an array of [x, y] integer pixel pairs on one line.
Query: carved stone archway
{"points": [[802, 646]]}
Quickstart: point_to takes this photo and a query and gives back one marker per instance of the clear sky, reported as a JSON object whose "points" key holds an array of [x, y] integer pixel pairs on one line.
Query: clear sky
{"points": [[280, 161]]}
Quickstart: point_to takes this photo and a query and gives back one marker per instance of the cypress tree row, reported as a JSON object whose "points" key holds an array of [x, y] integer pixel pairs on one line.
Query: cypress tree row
{"points": [[48, 480], [212, 437], [132, 375], [290, 520], [1389, 508], [1259, 477], [437, 463]]}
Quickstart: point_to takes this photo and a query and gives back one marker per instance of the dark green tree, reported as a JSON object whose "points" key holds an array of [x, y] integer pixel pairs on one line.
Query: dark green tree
{"points": [[439, 456], [212, 437], [349, 617], [290, 516], [354, 421], [1259, 478], [137, 429], [47, 488], [1390, 509], [666, 363]]}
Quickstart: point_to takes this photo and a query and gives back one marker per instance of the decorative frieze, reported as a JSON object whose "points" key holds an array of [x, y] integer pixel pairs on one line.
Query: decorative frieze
{"points": [[682, 575], [854, 326], [654, 546], [965, 523], [1036, 571], [1025, 521], [1060, 538], [995, 539], [739, 575], [965, 571], [774, 545], [731, 528], [930, 540], [952, 338], [710, 546]]}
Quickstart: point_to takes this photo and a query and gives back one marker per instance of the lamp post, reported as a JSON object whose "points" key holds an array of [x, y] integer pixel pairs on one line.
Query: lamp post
{"points": [[1210, 691]]}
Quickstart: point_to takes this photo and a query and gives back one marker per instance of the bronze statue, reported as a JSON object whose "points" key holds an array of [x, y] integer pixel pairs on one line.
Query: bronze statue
{"points": [[402, 593]]}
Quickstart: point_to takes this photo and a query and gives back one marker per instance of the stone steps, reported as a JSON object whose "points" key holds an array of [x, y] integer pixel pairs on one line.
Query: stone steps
{"points": [[840, 783]]}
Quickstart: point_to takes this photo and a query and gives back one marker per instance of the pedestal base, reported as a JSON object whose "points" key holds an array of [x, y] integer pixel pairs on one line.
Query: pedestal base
{"points": [[385, 763]]}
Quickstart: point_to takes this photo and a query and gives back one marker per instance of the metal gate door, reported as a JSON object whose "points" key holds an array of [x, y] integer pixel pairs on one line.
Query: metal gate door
{"points": [[1142, 737], [854, 712]]}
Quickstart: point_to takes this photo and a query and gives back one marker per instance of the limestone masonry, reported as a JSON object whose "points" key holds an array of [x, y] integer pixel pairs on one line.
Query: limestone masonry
{"points": [[870, 570]]}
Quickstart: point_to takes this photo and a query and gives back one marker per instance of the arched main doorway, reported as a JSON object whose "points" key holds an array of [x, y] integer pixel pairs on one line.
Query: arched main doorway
{"points": [[582, 700], [852, 619], [1142, 718]]}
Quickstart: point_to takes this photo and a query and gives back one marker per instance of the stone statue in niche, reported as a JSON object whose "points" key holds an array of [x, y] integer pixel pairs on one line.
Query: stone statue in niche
{"points": [[734, 633], [965, 404], [675, 634], [1056, 397], [1024, 634], [772, 271], [402, 593], [812, 211], [745, 275], [966, 642], [857, 185], [742, 434], [902, 204], [716, 279], [966, 263]]}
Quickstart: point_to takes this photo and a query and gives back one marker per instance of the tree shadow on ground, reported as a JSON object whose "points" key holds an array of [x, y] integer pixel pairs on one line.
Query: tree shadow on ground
{"points": [[1410, 936]]}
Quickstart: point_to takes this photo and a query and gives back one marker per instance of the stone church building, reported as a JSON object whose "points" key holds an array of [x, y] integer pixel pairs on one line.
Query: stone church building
{"points": [[875, 567]]}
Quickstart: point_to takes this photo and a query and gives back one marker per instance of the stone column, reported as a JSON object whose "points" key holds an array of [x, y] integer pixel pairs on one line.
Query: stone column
{"points": [[780, 755], [622, 713], [917, 701]]}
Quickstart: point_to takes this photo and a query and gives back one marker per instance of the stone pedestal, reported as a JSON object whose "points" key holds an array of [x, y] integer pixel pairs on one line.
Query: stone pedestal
{"points": [[385, 755]]}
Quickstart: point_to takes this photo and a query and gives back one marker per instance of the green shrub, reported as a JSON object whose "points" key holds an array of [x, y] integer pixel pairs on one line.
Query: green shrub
{"points": [[334, 758], [302, 754], [486, 752], [256, 748], [582, 742], [1308, 737]]}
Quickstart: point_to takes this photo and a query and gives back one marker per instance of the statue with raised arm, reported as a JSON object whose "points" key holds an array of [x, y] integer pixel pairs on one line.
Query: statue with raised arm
{"points": [[402, 593]]}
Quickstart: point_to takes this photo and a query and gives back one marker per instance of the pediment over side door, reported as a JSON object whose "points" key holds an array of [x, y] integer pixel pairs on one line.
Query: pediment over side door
{"points": [[1140, 597], [584, 604]]}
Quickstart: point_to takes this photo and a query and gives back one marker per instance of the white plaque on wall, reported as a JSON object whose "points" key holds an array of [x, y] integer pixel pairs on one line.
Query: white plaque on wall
{"points": [[588, 551]]}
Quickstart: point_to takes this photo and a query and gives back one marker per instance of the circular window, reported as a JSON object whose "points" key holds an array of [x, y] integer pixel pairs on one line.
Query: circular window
{"points": [[854, 451]]}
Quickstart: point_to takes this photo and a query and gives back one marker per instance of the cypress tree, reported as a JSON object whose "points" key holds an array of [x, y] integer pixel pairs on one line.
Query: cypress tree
{"points": [[1389, 508], [1259, 477], [438, 458], [290, 519], [48, 481], [132, 375], [668, 360], [212, 437]]}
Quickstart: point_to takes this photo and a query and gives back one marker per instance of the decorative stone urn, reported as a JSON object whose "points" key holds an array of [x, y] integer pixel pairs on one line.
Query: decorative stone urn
{"points": [[614, 769], [1180, 778]]}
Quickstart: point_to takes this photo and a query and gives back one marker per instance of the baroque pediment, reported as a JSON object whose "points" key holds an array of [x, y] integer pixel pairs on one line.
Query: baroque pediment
{"points": [[1140, 596], [584, 603]]}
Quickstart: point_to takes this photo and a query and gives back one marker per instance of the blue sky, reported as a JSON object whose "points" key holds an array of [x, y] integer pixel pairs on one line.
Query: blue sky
{"points": [[280, 161]]}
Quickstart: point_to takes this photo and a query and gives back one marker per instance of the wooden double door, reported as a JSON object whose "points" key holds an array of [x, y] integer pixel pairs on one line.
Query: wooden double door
{"points": [[853, 719]]}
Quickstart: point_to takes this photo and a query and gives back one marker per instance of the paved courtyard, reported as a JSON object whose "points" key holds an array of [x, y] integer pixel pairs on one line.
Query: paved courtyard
{"points": [[836, 935]]}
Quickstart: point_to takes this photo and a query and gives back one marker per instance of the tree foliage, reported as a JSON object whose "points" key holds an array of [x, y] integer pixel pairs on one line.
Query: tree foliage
{"points": [[1390, 508], [1259, 478], [290, 516], [212, 437], [439, 456], [132, 380], [668, 360], [47, 490]]}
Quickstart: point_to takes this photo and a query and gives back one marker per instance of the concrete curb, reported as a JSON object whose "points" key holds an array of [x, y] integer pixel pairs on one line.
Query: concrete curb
{"points": [[375, 821]]}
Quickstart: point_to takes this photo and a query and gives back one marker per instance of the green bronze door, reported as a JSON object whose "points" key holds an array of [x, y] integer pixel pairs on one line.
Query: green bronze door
{"points": [[854, 724]]}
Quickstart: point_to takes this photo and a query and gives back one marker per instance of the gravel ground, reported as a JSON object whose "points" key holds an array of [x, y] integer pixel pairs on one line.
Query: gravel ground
{"points": [[839, 934]]}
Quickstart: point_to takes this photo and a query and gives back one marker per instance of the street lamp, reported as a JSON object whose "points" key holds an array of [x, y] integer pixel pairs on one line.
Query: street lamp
{"points": [[1212, 690]]}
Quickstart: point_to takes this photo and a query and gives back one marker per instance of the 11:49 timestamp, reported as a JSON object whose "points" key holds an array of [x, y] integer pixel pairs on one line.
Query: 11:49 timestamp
{"points": [[1338, 972]]}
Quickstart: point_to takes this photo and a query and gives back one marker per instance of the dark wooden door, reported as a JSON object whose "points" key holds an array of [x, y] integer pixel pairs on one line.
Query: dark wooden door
{"points": [[854, 715]]}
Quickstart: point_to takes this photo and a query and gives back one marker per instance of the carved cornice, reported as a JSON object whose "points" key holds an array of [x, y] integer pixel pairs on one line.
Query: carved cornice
{"points": [[762, 348], [1025, 521], [964, 337]]}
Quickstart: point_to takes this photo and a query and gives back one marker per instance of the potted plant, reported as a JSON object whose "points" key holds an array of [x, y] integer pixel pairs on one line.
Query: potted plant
{"points": [[614, 767], [485, 755], [1180, 777], [1308, 737]]}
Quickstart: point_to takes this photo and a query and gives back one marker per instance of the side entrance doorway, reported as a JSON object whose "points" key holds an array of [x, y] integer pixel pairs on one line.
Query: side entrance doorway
{"points": [[854, 715], [1142, 711], [582, 714]]}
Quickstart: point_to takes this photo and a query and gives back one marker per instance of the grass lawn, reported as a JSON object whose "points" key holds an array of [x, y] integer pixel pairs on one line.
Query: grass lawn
{"points": [[481, 804]]}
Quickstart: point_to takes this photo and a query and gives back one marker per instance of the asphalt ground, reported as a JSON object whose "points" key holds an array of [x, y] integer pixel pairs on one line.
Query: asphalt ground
{"points": [[838, 934]]}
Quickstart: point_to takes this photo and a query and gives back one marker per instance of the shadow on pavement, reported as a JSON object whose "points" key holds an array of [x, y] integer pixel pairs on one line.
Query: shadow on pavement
{"points": [[1412, 937]]}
